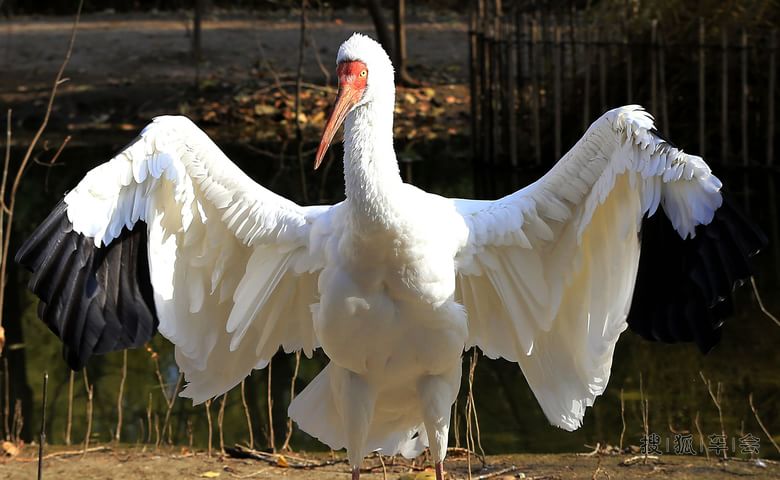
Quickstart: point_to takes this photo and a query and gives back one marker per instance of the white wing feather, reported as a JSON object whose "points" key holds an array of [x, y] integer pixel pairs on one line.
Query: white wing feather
{"points": [[230, 266], [548, 272]]}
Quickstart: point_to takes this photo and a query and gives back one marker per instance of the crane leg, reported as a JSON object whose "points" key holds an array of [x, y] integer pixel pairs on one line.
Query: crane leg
{"points": [[439, 470], [355, 473]]}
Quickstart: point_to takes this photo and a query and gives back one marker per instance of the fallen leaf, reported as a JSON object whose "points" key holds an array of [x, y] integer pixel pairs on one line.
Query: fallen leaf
{"points": [[282, 462], [209, 474], [9, 449]]}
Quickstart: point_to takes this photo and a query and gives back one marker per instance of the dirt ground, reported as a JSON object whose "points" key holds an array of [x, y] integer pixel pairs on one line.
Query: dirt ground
{"points": [[126, 69], [113, 49], [134, 463]]}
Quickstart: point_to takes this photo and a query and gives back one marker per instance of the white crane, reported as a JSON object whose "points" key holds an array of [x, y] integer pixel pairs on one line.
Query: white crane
{"points": [[394, 282]]}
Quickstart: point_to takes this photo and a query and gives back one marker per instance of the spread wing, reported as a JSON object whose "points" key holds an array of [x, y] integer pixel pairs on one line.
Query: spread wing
{"points": [[170, 234], [548, 273]]}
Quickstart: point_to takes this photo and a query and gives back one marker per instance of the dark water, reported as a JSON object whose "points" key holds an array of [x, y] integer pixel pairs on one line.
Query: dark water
{"points": [[747, 361]]}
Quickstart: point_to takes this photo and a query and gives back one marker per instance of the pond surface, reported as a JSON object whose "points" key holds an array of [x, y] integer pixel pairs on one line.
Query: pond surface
{"points": [[747, 360]]}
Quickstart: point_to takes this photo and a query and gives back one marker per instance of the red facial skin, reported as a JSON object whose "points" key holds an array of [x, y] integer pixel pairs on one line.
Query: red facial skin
{"points": [[353, 78]]}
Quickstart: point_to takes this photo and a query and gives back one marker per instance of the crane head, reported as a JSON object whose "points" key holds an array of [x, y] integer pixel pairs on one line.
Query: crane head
{"points": [[353, 79]]}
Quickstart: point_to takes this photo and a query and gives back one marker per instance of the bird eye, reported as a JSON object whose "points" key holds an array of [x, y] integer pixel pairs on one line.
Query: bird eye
{"points": [[363, 73]]}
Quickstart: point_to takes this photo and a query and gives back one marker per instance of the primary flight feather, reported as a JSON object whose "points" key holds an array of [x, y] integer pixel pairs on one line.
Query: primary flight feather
{"points": [[393, 283]]}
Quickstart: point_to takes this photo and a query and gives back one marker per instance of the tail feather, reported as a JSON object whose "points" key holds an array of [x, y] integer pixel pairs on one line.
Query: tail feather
{"points": [[316, 414]]}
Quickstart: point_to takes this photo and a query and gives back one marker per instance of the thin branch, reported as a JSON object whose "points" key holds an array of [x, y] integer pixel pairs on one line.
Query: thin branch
{"points": [[69, 425], [220, 419], [120, 397], [270, 403], [761, 424], [90, 391], [701, 435], [716, 400], [207, 405], [25, 160], [761, 303], [248, 416], [288, 435], [42, 438], [166, 422], [622, 419]]}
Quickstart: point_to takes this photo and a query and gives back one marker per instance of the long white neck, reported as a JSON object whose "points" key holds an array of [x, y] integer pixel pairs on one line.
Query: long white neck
{"points": [[371, 173]]}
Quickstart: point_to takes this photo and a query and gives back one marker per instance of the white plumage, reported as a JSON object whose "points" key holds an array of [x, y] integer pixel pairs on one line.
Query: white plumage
{"points": [[393, 283]]}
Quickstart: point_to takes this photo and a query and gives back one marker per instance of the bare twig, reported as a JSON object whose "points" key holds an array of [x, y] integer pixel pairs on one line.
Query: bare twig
{"points": [[54, 160], [75, 453], [471, 411], [248, 416], [156, 431], [90, 391], [701, 435], [288, 435], [25, 160], [7, 399], [270, 403], [761, 303], [69, 425], [384, 468], [170, 403], [593, 452], [42, 438], [622, 419], [220, 419], [716, 399], [497, 473], [149, 420], [120, 398], [207, 405], [239, 451], [761, 424]]}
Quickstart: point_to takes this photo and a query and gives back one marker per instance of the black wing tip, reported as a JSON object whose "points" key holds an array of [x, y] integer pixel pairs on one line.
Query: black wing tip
{"points": [[95, 299], [703, 271]]}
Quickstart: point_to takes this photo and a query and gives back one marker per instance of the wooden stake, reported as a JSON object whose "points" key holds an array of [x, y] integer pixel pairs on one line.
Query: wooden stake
{"points": [[662, 78], [654, 67], [702, 91], [603, 51], [513, 60], [770, 122], [744, 105], [557, 88], [586, 90], [536, 59], [724, 98]]}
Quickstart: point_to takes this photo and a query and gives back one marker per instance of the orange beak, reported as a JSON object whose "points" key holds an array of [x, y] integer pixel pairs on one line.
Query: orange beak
{"points": [[352, 83], [347, 97]]}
